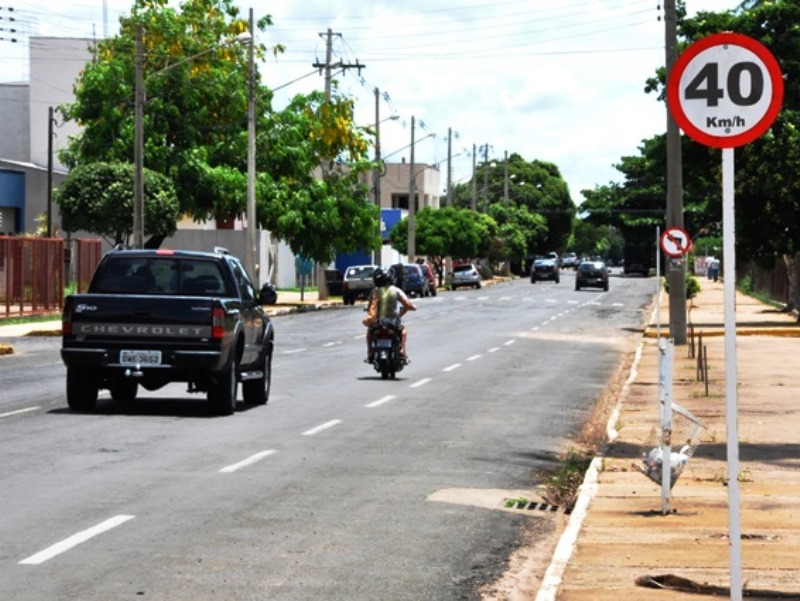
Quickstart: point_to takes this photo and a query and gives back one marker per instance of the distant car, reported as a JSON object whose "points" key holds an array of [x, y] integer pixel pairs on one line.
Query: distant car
{"points": [[591, 274], [569, 260], [544, 269], [357, 283], [414, 281], [427, 271], [465, 274]]}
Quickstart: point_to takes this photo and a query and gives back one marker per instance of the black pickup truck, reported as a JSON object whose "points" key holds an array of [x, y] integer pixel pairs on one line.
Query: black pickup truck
{"points": [[151, 317]]}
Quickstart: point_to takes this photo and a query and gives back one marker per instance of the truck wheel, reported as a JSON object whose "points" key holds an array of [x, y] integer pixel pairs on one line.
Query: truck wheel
{"points": [[81, 390], [222, 392], [256, 392], [124, 389]]}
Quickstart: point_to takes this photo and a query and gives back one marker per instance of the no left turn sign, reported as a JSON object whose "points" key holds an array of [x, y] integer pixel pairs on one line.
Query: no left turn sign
{"points": [[725, 90], [675, 242]]}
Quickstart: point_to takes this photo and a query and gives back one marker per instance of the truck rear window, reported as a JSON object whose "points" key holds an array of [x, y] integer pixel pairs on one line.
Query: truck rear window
{"points": [[159, 275]]}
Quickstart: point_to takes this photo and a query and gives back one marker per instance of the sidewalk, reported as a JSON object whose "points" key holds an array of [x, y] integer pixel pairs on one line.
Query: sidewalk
{"points": [[623, 536]]}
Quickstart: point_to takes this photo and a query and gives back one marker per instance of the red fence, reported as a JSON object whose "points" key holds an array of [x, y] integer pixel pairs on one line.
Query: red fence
{"points": [[32, 273]]}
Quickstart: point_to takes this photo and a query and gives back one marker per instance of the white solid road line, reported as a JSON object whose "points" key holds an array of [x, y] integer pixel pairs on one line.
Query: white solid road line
{"points": [[249, 461], [75, 539], [322, 427]]}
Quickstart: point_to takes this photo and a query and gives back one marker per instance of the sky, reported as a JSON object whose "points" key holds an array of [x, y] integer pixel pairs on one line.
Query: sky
{"points": [[561, 82]]}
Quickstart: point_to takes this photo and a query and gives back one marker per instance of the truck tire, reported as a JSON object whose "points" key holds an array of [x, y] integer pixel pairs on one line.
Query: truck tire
{"points": [[81, 390], [222, 392], [256, 392]]}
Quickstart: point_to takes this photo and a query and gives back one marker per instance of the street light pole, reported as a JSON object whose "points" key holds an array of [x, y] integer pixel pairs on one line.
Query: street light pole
{"points": [[252, 220], [505, 179], [474, 200], [411, 202]]}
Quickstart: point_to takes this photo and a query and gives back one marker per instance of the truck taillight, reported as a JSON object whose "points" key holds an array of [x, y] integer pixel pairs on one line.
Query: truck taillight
{"points": [[217, 323], [66, 320]]}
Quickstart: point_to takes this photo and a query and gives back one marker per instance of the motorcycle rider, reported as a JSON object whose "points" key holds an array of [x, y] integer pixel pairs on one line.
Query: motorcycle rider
{"points": [[387, 301]]}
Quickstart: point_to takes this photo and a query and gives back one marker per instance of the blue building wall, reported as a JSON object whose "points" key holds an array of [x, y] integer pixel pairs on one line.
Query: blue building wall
{"points": [[12, 196]]}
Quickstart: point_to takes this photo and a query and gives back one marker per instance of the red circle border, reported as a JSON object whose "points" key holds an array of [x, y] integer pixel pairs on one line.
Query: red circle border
{"points": [[719, 39]]}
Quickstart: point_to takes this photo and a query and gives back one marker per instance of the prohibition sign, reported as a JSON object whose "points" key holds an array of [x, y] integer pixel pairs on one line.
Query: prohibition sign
{"points": [[675, 242], [725, 90]]}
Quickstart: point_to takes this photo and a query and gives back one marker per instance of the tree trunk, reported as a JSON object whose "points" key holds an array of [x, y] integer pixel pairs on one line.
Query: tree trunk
{"points": [[792, 263]]}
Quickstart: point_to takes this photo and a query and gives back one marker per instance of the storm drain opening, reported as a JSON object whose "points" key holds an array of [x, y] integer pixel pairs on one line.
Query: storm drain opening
{"points": [[536, 506]]}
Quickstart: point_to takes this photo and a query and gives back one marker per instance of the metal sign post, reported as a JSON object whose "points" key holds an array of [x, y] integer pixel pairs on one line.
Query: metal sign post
{"points": [[724, 91], [666, 368]]}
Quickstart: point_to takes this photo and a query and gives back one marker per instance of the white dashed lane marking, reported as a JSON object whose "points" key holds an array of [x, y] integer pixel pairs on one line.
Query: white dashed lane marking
{"points": [[75, 539], [249, 461], [18, 411], [322, 427], [381, 401]]}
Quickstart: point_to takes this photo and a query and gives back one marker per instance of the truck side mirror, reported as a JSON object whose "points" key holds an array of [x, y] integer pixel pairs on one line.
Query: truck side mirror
{"points": [[267, 295]]}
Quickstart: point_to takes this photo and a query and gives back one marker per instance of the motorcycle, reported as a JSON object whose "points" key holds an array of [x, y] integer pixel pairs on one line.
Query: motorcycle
{"points": [[386, 357]]}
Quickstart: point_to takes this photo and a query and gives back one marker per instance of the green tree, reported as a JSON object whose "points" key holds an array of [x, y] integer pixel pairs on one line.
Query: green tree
{"points": [[767, 195], [318, 211], [98, 198], [520, 232], [195, 124], [537, 185], [446, 232]]}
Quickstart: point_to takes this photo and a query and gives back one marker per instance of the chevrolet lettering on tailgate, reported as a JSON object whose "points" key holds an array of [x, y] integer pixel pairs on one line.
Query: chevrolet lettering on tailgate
{"points": [[143, 330]]}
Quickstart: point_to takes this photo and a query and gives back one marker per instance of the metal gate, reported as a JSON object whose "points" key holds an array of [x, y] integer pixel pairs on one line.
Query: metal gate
{"points": [[32, 273]]}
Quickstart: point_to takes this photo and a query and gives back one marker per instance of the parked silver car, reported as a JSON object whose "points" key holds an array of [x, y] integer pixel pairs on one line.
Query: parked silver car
{"points": [[357, 283], [465, 274]]}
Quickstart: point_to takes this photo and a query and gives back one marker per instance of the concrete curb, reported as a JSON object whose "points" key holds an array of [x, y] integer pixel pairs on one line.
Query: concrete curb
{"points": [[554, 575]]}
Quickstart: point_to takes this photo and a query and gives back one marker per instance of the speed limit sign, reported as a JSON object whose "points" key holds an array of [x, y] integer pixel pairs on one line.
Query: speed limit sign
{"points": [[725, 90]]}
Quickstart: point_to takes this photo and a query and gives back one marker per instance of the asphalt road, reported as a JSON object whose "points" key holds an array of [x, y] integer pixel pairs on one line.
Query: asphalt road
{"points": [[344, 486]]}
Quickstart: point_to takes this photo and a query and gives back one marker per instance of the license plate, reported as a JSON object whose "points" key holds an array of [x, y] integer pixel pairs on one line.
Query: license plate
{"points": [[140, 357], [383, 343]]}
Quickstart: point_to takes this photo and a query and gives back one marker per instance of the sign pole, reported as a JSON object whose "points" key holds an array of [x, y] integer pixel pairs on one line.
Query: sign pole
{"points": [[729, 282], [725, 90], [667, 360]]}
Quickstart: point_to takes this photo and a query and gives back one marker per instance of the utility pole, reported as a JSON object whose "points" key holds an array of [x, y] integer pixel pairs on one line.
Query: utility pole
{"points": [[676, 269], [50, 122], [376, 175], [322, 284], [449, 167], [474, 203], [138, 145], [252, 219], [485, 177], [412, 201]]}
